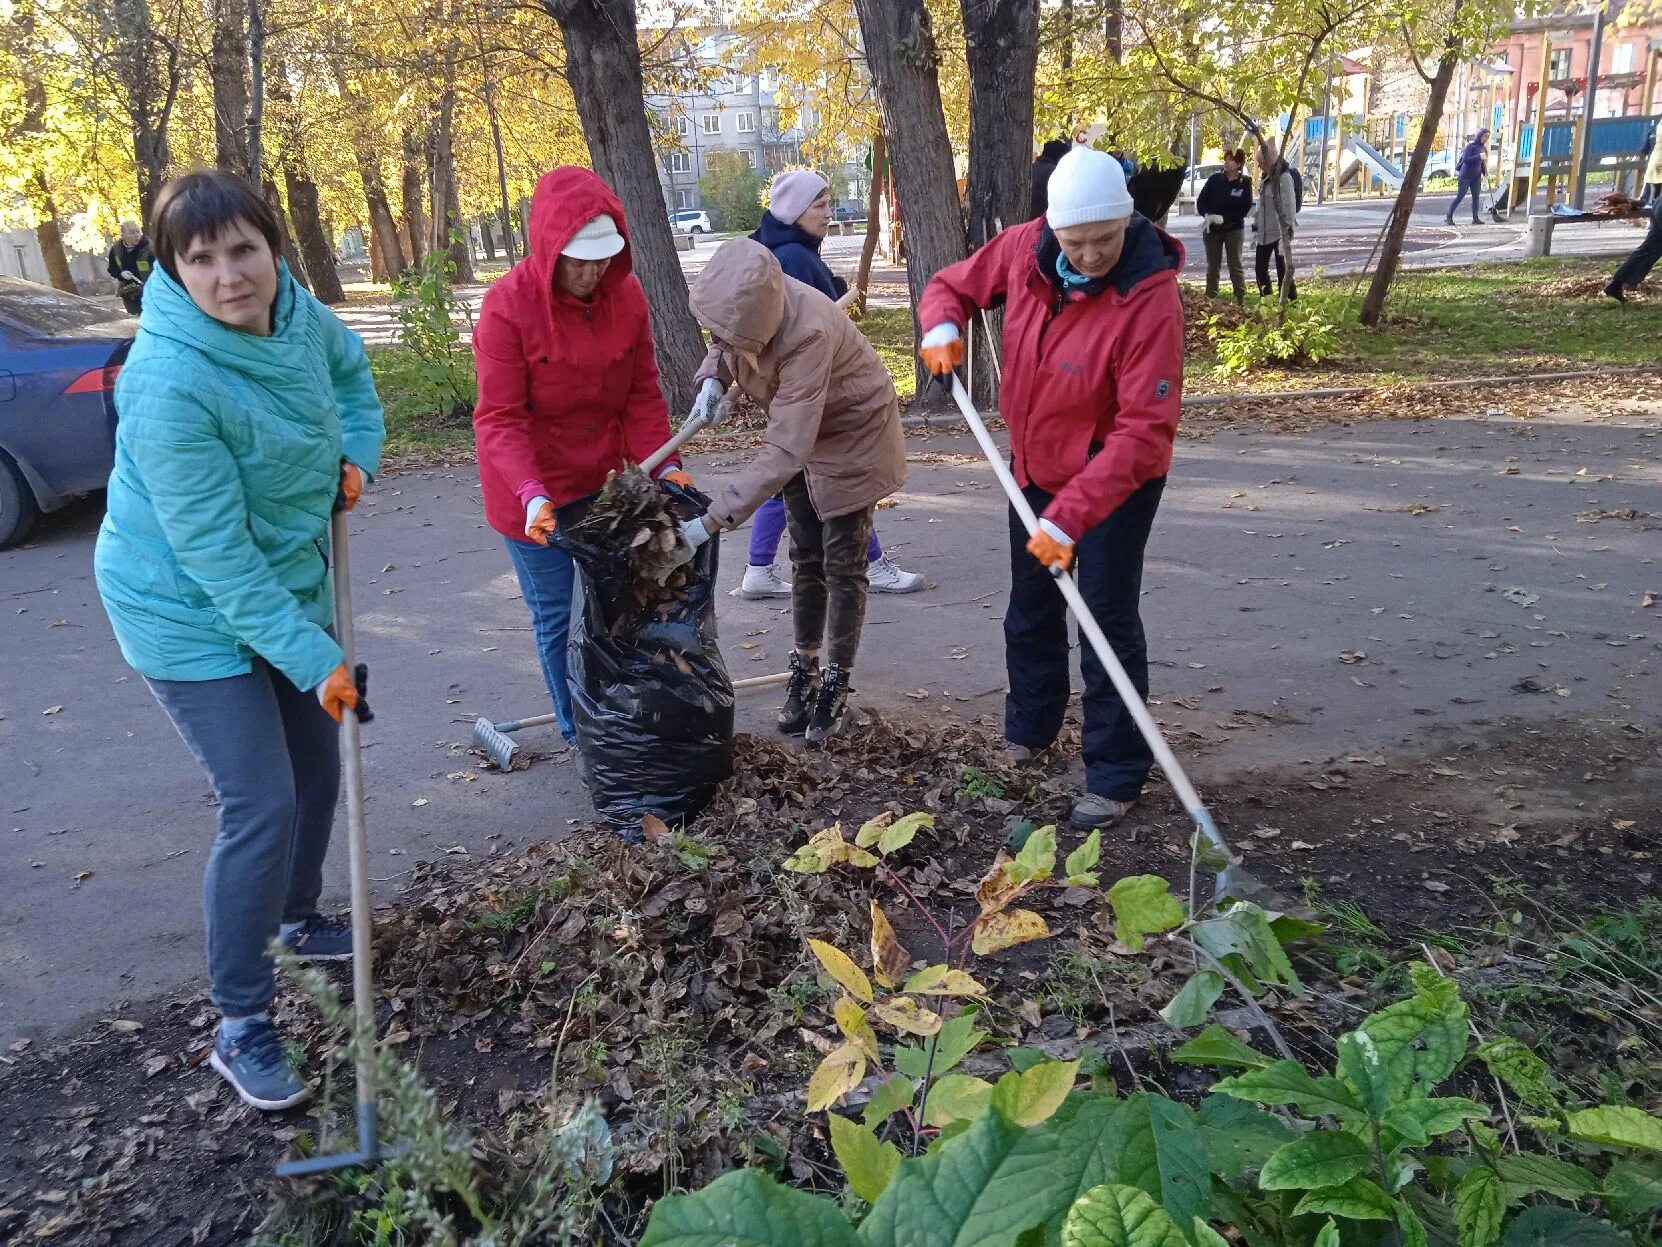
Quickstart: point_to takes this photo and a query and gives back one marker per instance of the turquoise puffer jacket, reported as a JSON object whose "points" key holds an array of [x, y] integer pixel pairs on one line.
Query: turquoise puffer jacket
{"points": [[227, 459]]}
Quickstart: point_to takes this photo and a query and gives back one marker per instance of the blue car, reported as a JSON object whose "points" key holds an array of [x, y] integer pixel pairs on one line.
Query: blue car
{"points": [[59, 356]]}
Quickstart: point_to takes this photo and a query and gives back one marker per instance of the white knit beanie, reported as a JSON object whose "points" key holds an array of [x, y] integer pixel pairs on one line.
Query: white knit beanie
{"points": [[1086, 186], [793, 193]]}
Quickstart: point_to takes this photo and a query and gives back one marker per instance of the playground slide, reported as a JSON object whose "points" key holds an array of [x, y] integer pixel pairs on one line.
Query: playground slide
{"points": [[1370, 158]]}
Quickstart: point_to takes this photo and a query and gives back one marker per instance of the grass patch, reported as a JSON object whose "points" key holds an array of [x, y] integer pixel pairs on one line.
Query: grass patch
{"points": [[890, 332], [414, 425]]}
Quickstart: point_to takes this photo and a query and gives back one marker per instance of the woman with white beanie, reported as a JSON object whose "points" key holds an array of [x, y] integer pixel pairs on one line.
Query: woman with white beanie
{"points": [[793, 227], [1093, 379]]}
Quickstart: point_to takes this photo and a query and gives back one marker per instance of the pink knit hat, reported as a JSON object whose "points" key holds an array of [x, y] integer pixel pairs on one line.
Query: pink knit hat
{"points": [[792, 193]]}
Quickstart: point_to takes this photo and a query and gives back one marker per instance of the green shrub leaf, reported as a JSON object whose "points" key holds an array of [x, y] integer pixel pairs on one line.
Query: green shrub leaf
{"points": [[1037, 858], [1633, 1188], [1322, 1158], [746, 1208], [1617, 1125], [1143, 905], [1205, 1236], [868, 1162], [957, 1097], [1119, 1216], [1238, 1136], [1218, 1046], [1243, 931], [1529, 1173], [955, 1041], [1329, 1235], [891, 1097], [1525, 1074], [1362, 1070], [1288, 1082], [1081, 861], [1030, 1097], [1159, 1147], [1419, 1041], [1547, 1226], [1194, 1000], [1479, 1201], [1360, 1199]]}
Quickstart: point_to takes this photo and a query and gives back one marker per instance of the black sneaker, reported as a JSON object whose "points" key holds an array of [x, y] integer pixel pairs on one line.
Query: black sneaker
{"points": [[829, 706], [800, 693], [320, 939]]}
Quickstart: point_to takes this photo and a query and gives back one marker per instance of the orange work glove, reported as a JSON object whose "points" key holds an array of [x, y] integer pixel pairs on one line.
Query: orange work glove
{"points": [[677, 477], [338, 693], [942, 350], [351, 483], [539, 520], [1052, 547]]}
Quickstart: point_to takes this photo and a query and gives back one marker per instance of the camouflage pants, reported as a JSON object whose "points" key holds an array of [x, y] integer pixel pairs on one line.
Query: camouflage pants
{"points": [[828, 575]]}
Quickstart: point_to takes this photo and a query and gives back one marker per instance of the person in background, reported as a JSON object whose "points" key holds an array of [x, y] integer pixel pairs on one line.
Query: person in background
{"points": [[1641, 260], [568, 392], [793, 227], [833, 446], [1223, 205], [1093, 378], [1653, 167], [130, 261], [246, 409], [1472, 168], [1043, 167], [1273, 219]]}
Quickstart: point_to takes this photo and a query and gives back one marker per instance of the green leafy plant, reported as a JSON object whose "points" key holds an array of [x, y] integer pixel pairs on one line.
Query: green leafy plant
{"points": [[1295, 335], [427, 312]]}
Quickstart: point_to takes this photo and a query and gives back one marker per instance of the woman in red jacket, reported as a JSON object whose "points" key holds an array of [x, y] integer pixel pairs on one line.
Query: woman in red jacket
{"points": [[568, 391], [1093, 374]]}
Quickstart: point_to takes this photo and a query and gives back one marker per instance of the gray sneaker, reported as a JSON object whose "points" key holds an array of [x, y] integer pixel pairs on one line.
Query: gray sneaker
{"points": [[320, 939], [257, 1067], [1092, 811]]}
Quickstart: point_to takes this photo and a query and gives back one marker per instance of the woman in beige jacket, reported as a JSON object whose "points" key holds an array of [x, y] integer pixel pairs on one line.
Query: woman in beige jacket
{"points": [[833, 444]]}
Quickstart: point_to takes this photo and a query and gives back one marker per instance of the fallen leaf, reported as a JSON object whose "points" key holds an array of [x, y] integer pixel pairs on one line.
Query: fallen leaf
{"points": [[1431, 885], [655, 830], [125, 1026], [53, 710], [1353, 656], [419, 802], [889, 958]]}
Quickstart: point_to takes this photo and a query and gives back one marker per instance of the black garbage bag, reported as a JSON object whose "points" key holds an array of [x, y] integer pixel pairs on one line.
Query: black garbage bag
{"points": [[650, 695]]}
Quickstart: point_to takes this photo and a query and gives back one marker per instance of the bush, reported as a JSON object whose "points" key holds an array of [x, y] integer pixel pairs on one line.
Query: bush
{"points": [[1294, 336], [425, 305], [732, 192]]}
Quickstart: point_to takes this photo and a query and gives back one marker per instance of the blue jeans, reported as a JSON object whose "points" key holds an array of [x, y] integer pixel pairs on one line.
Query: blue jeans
{"points": [[546, 576], [1470, 183], [272, 754]]}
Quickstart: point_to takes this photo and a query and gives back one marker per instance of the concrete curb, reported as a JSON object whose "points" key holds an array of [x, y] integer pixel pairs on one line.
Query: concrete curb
{"points": [[950, 420]]}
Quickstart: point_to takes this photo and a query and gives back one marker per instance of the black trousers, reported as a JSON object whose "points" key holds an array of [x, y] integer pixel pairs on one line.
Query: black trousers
{"points": [[828, 575], [1638, 265], [1262, 264], [1109, 564]]}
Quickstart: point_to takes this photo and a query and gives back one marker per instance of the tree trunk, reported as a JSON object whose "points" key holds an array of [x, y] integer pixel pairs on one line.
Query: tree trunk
{"points": [[603, 65], [1113, 30], [485, 239], [386, 249], [47, 232], [50, 238], [411, 190], [874, 224], [274, 197], [449, 231], [1002, 41], [256, 92], [227, 69], [1396, 228], [148, 69], [317, 257], [901, 52]]}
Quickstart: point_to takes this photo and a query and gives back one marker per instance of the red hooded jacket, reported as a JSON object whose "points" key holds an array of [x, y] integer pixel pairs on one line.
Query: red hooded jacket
{"points": [[1092, 382], [568, 390]]}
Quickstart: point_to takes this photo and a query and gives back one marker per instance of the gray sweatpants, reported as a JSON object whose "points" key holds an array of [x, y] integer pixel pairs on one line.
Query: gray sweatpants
{"points": [[273, 755]]}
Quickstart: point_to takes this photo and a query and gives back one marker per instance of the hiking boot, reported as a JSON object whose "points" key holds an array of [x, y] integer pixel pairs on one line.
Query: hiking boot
{"points": [[801, 691], [883, 576], [763, 582], [319, 939], [254, 1063], [1018, 755], [1092, 811], [829, 707]]}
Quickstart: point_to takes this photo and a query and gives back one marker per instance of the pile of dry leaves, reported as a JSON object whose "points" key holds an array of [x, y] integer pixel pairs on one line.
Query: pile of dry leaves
{"points": [[631, 521]]}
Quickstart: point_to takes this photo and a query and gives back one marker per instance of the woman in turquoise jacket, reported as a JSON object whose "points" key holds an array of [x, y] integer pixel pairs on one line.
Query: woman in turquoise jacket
{"points": [[244, 408]]}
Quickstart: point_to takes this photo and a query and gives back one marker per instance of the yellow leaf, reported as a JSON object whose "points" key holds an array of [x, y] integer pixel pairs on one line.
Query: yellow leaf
{"points": [[898, 835], [851, 1021], [1028, 1099], [836, 1076], [1007, 929], [825, 849], [956, 1097], [998, 887], [943, 981], [905, 1014], [840, 966], [889, 958]]}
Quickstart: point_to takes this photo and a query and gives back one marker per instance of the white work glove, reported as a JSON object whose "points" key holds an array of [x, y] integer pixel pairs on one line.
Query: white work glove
{"points": [[1214, 218], [693, 533], [129, 274], [940, 335], [712, 404]]}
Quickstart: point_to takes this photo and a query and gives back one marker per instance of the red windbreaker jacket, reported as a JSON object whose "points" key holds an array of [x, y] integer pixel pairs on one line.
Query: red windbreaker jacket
{"points": [[1092, 382], [568, 390]]}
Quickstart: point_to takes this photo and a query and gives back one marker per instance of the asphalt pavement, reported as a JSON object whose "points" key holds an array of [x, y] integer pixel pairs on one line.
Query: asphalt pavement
{"points": [[1483, 565]]}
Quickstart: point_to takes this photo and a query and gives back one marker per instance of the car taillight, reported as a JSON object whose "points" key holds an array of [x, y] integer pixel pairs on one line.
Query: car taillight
{"points": [[98, 381]]}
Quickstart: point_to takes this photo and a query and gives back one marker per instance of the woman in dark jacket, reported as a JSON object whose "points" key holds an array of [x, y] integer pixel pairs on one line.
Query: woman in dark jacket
{"points": [[1223, 205], [793, 227]]}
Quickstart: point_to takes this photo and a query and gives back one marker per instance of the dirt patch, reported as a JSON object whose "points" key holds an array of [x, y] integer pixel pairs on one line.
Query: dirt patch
{"points": [[670, 977]]}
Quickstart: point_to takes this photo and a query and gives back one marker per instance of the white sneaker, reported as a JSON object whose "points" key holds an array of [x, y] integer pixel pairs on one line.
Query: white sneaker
{"points": [[884, 577], [763, 582]]}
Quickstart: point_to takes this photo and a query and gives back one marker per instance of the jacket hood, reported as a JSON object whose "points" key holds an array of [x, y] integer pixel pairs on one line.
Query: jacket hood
{"points": [[1148, 250], [279, 360], [567, 199], [740, 295], [773, 232]]}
